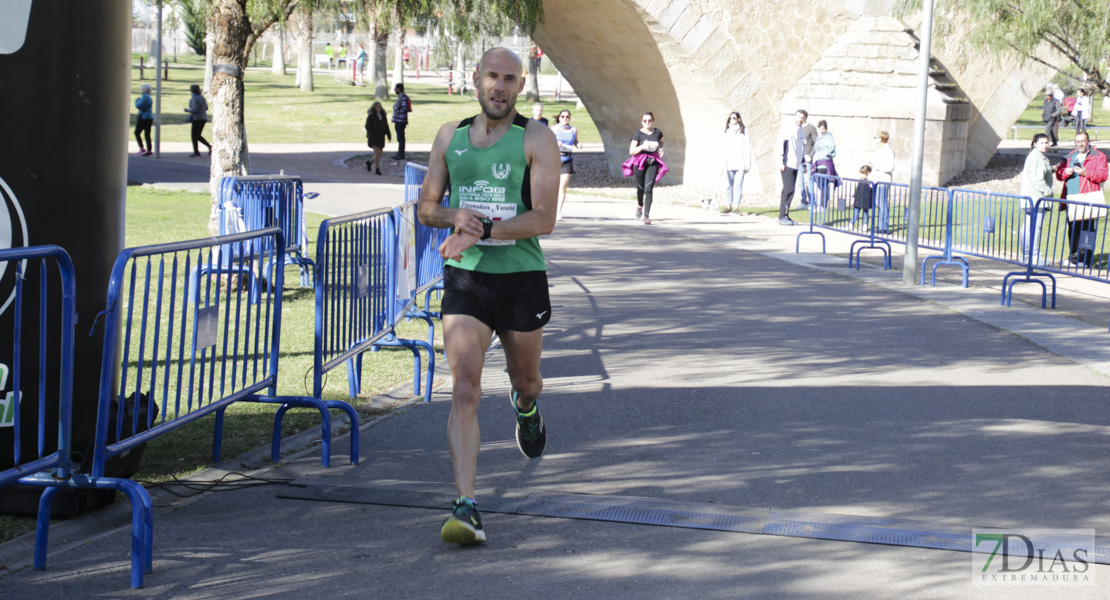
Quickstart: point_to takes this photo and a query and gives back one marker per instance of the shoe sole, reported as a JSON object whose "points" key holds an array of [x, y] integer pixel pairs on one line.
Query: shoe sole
{"points": [[456, 531]]}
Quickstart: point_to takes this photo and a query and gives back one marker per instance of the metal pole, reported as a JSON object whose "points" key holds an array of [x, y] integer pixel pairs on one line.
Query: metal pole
{"points": [[158, 89], [909, 266]]}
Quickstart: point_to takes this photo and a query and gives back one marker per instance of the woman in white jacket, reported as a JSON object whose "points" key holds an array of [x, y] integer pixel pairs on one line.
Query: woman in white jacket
{"points": [[737, 153], [882, 171]]}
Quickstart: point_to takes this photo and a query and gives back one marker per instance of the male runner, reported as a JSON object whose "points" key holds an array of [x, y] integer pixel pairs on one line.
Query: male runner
{"points": [[503, 171]]}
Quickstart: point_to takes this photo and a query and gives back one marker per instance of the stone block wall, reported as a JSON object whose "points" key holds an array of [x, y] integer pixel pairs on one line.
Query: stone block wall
{"points": [[691, 62]]}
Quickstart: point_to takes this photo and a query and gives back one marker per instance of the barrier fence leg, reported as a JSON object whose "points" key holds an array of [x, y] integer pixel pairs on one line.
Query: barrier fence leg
{"points": [[42, 528]]}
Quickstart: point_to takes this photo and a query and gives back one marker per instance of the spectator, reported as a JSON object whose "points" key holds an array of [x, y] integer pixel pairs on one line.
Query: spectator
{"points": [[645, 162], [792, 141], [1082, 110], [804, 186], [377, 130], [1050, 114], [198, 116], [862, 198], [737, 156], [882, 169], [824, 149], [1036, 183], [567, 137], [360, 64], [1083, 171], [537, 114], [331, 54], [401, 109], [145, 119]]}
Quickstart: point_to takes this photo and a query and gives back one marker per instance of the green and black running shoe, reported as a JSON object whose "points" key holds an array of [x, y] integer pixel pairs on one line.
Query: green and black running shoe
{"points": [[464, 526], [531, 435]]}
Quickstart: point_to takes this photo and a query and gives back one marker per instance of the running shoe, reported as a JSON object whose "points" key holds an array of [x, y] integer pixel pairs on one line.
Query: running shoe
{"points": [[531, 435], [464, 526], [639, 211]]}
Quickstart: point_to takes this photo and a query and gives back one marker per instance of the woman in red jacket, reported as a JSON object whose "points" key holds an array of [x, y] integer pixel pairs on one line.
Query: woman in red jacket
{"points": [[1083, 170]]}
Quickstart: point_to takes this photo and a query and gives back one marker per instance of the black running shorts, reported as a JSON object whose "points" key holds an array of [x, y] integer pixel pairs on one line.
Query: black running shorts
{"points": [[503, 301]]}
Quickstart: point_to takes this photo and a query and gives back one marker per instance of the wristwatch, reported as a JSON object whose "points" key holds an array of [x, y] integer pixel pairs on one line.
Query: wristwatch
{"points": [[487, 227]]}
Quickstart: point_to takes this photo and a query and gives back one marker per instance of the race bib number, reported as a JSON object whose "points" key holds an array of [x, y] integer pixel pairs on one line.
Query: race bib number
{"points": [[496, 211]]}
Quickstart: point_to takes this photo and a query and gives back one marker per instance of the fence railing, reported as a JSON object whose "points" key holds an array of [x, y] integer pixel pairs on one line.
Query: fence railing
{"points": [[415, 267], [254, 202], [1044, 238], [429, 264], [38, 409], [847, 206], [183, 339], [355, 259]]}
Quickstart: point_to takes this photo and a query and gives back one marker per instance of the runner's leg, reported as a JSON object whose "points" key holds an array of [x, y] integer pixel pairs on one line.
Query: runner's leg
{"points": [[465, 340], [522, 357]]}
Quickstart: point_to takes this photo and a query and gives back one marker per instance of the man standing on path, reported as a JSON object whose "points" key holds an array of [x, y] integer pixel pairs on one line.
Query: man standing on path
{"points": [[792, 143], [401, 109], [503, 173], [1050, 114], [804, 187]]}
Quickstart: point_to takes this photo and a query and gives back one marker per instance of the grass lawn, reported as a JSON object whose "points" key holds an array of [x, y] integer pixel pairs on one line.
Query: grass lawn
{"points": [[157, 216], [278, 112]]}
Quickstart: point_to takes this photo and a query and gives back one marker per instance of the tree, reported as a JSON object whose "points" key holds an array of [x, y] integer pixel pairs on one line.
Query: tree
{"points": [[278, 65], [1077, 29], [172, 21], [194, 14], [233, 37], [305, 58]]}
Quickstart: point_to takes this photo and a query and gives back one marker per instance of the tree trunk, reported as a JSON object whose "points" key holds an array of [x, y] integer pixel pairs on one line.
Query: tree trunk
{"points": [[229, 141], [399, 59], [460, 65], [533, 94], [278, 67], [208, 42], [381, 44], [306, 59]]}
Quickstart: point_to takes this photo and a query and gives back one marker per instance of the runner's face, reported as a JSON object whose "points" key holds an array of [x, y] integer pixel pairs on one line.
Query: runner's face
{"points": [[499, 82]]}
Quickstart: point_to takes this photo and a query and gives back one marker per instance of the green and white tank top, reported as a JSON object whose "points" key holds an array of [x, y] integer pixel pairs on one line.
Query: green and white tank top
{"points": [[493, 181]]}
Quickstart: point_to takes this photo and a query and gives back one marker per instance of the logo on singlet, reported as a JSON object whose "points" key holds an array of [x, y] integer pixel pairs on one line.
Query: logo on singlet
{"points": [[460, 152], [501, 170]]}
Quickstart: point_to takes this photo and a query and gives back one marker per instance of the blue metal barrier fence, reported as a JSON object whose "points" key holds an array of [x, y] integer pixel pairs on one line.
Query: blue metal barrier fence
{"points": [[254, 202], [174, 355], [846, 206], [355, 260], [47, 395]]}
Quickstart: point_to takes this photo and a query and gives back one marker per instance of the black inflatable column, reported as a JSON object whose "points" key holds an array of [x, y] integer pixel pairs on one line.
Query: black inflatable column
{"points": [[64, 111]]}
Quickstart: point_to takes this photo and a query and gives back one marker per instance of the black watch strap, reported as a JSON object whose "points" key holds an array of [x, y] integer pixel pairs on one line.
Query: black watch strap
{"points": [[487, 227]]}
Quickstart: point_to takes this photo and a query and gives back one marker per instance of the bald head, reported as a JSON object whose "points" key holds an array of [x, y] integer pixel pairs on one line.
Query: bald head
{"points": [[499, 80], [503, 58]]}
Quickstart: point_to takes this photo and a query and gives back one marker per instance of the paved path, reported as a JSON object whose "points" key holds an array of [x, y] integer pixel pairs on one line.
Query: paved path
{"points": [[697, 360]]}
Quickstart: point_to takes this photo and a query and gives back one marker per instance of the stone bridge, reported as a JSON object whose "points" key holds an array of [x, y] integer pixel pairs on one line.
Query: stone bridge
{"points": [[849, 62]]}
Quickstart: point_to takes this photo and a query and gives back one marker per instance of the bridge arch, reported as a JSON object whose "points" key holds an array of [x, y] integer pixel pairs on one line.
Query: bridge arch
{"points": [[693, 61]]}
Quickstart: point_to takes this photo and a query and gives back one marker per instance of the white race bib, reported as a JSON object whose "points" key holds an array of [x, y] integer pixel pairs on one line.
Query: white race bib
{"points": [[495, 211]]}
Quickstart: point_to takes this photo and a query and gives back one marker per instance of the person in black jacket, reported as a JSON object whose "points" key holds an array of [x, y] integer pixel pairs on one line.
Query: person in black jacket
{"points": [[1050, 114], [377, 131], [862, 200]]}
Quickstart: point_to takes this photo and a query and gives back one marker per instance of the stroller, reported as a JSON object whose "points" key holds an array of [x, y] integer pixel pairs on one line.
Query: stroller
{"points": [[1067, 119]]}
